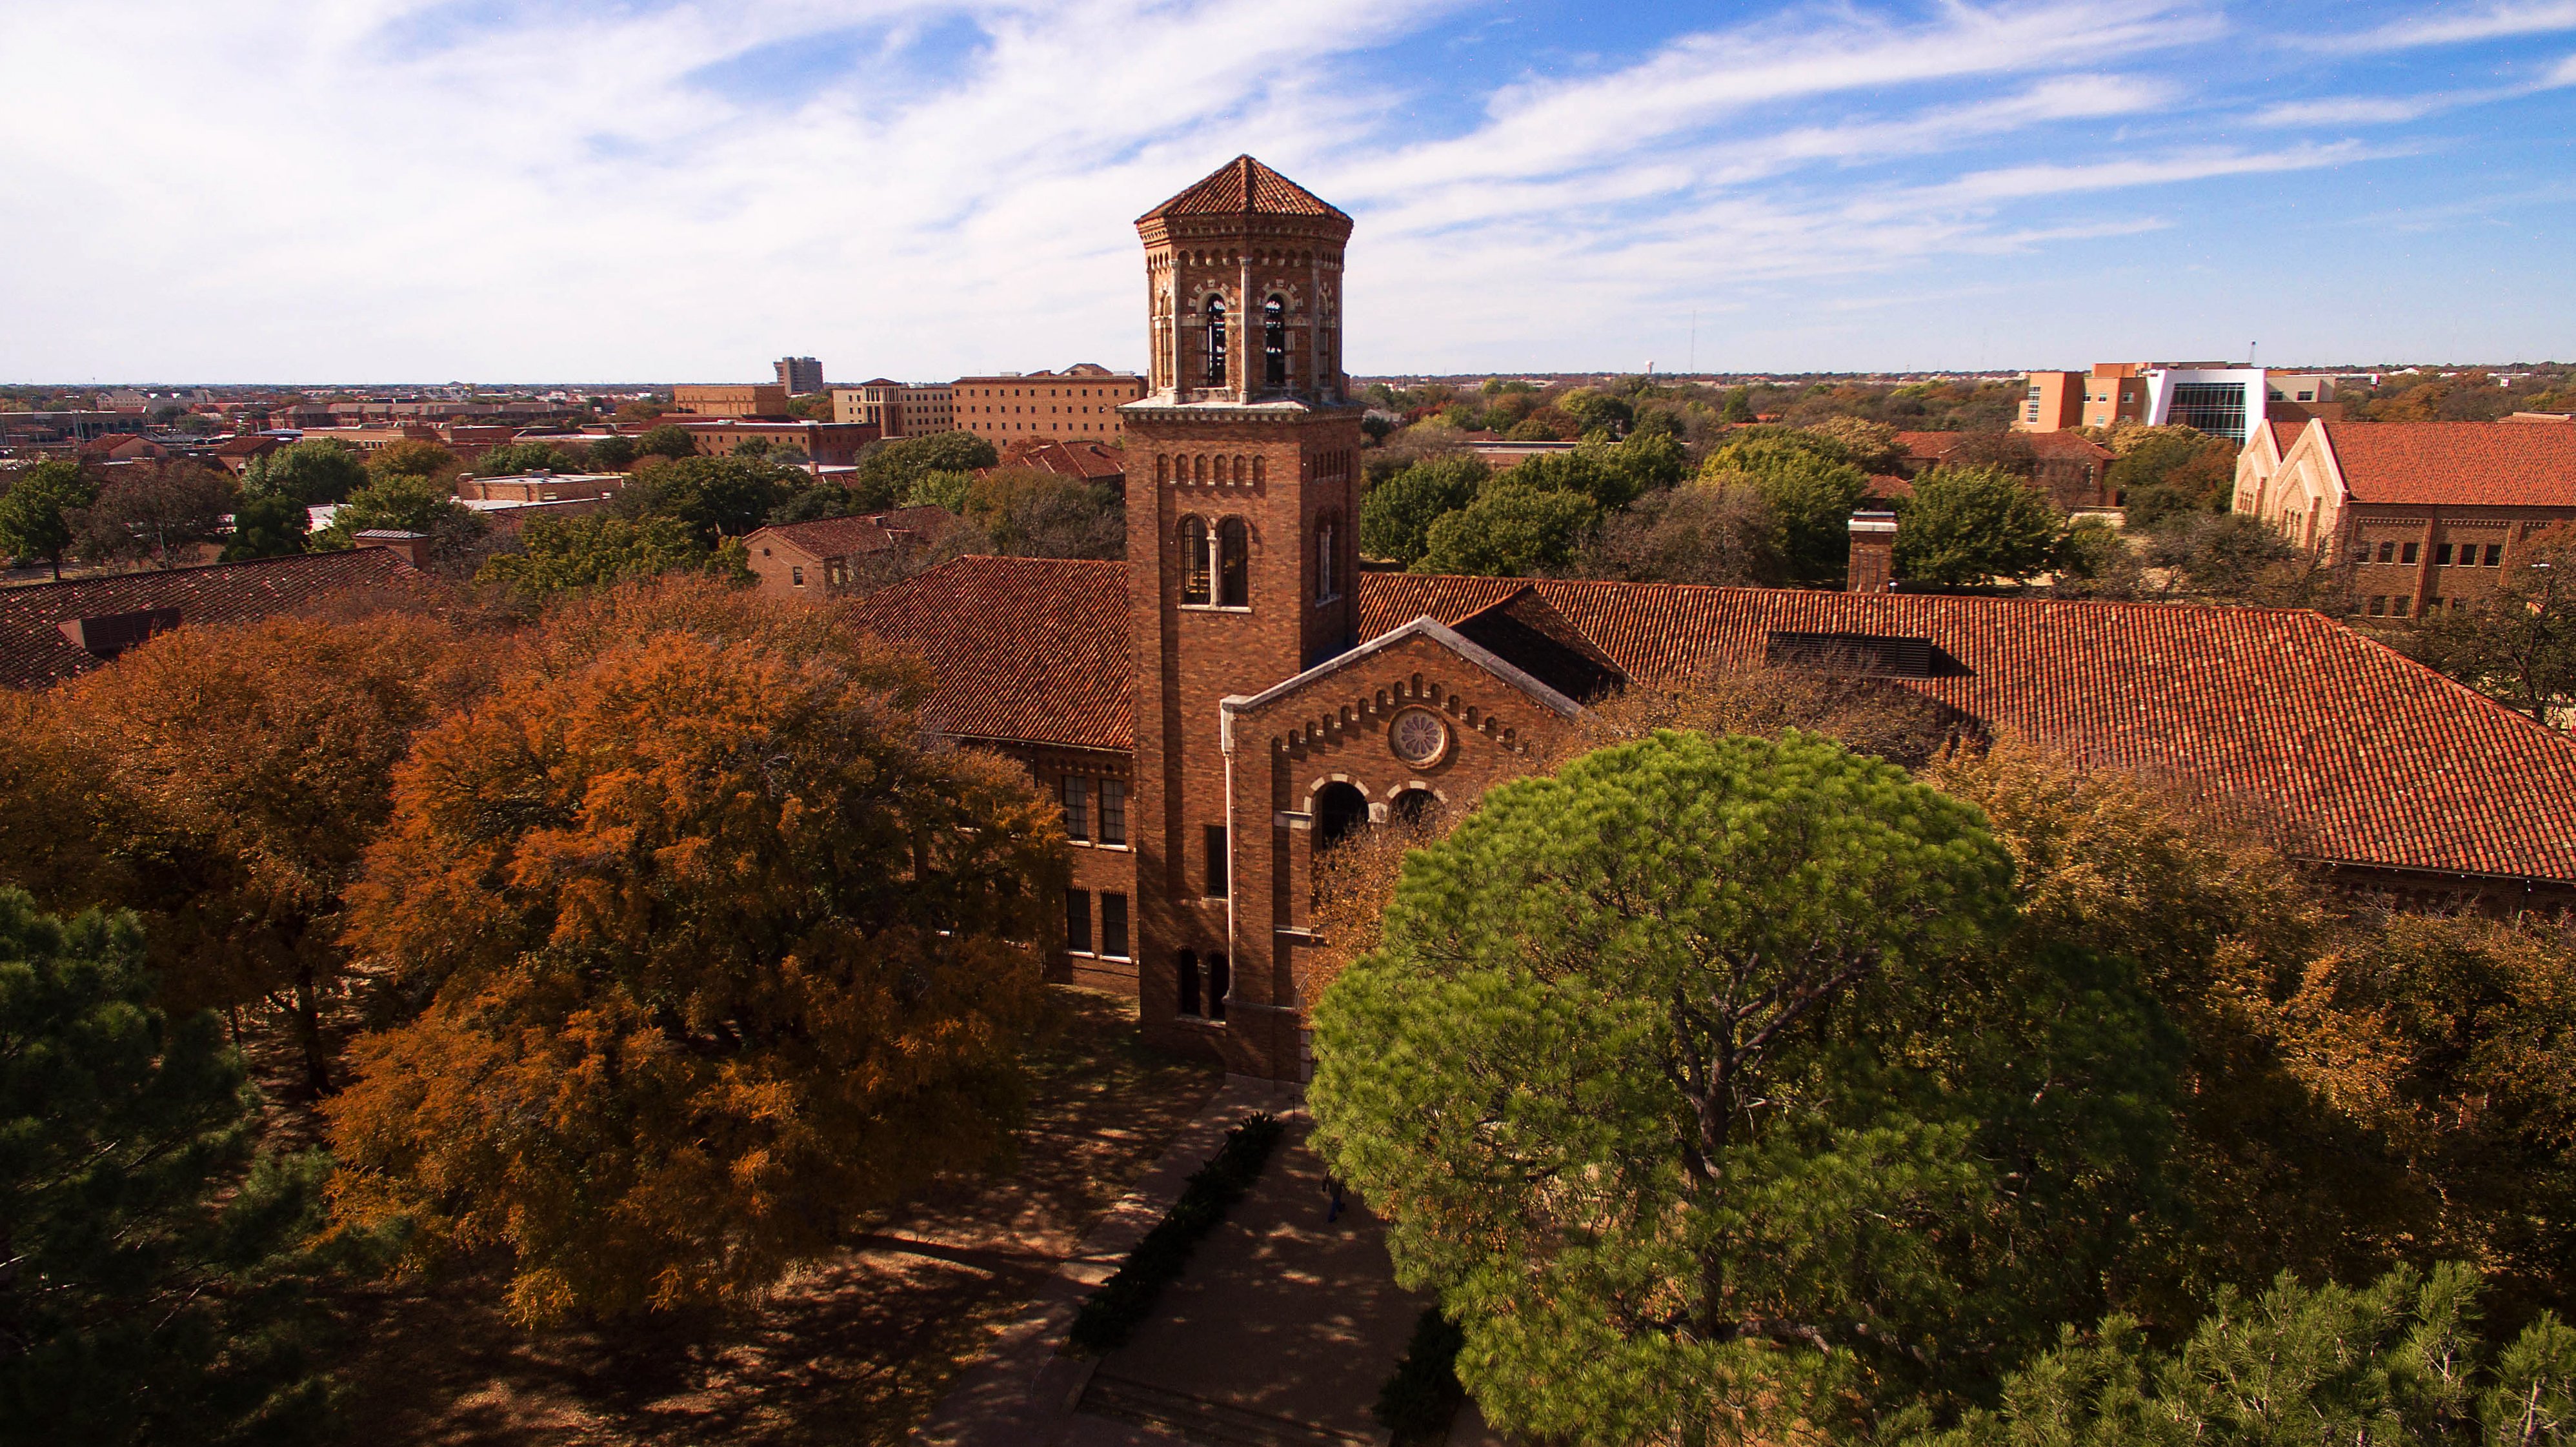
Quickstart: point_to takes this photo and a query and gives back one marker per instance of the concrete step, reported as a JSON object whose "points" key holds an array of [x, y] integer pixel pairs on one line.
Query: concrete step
{"points": [[1211, 1423]]}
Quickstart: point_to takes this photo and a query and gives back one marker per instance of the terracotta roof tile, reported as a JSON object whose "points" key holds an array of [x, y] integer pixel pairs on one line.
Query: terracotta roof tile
{"points": [[2365, 756], [2434, 463], [868, 533], [1032, 649], [35, 651], [1090, 461], [1244, 186]]}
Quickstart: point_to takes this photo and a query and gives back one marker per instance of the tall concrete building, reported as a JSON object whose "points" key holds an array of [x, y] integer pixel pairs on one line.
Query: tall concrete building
{"points": [[801, 376]]}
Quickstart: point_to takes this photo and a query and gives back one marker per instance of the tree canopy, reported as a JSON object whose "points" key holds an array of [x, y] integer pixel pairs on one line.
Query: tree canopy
{"points": [[155, 511], [34, 521], [1396, 517], [269, 525], [155, 1264], [716, 956], [315, 471], [224, 781], [1967, 525], [563, 554], [888, 469], [1710, 1082], [718, 497], [1509, 531], [2398, 1361], [1810, 492]]}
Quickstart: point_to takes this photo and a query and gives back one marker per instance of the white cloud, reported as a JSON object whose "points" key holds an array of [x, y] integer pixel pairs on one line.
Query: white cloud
{"points": [[2490, 22], [2352, 110], [400, 190]]}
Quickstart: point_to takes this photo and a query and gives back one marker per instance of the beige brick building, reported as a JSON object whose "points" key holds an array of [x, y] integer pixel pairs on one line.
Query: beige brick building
{"points": [[1080, 401], [2429, 514], [729, 399], [897, 409]]}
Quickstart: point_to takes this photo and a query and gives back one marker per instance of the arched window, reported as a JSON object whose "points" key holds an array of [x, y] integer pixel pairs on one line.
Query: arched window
{"points": [[1162, 467], [1199, 466], [1339, 809], [1274, 342], [1326, 585], [1189, 971], [1220, 982], [1416, 807], [1194, 561], [1242, 470], [1234, 574], [1257, 471], [1216, 341]]}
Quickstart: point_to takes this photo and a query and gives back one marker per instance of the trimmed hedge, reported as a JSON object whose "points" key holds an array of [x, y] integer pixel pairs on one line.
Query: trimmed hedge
{"points": [[1117, 1306], [1424, 1393]]}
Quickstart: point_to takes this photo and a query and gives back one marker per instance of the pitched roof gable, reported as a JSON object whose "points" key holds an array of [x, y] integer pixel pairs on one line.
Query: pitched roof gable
{"points": [[50, 631], [2455, 463], [1026, 649], [1244, 186], [2360, 754], [1510, 673]]}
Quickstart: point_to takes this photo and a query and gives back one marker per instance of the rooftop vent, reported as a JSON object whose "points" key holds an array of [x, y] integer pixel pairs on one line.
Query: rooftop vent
{"points": [[1870, 655], [110, 634]]}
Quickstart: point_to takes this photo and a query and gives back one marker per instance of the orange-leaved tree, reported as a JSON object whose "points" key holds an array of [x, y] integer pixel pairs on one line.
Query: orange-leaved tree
{"points": [[224, 782], [716, 953]]}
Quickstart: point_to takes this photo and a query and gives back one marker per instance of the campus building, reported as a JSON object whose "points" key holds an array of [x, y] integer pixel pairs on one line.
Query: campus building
{"points": [[897, 409], [2429, 514], [1082, 401], [1236, 695], [2219, 400]]}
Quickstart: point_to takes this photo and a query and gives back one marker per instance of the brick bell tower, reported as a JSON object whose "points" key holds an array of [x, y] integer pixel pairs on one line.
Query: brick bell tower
{"points": [[1242, 500]]}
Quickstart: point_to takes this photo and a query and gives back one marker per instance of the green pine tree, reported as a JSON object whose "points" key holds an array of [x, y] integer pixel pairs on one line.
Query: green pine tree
{"points": [[153, 1265]]}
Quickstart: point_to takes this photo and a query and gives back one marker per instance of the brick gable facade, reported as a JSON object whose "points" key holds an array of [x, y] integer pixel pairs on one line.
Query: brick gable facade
{"points": [[1236, 691]]}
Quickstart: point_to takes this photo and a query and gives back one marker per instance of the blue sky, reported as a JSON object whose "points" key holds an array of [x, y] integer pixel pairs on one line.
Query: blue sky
{"points": [[486, 190]]}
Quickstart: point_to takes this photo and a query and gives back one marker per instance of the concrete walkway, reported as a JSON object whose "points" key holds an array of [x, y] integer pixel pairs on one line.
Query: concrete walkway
{"points": [[1280, 1332]]}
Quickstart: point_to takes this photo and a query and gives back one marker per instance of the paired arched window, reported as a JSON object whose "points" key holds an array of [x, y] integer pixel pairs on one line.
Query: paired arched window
{"points": [[1216, 341], [1194, 561], [1234, 572], [1339, 809], [1274, 342]]}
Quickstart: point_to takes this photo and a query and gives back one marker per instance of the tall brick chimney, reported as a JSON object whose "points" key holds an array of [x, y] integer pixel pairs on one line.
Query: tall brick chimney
{"points": [[1873, 553], [413, 548]]}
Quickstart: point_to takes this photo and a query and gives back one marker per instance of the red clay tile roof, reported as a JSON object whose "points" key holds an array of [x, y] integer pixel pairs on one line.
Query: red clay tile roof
{"points": [[1031, 649], [2285, 433], [1244, 186], [36, 653], [2364, 756], [2476, 463], [871, 533], [1090, 461]]}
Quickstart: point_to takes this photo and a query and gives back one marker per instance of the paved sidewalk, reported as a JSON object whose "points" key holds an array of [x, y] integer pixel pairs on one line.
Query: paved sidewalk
{"points": [[1280, 1317], [1281, 1330], [1021, 1393]]}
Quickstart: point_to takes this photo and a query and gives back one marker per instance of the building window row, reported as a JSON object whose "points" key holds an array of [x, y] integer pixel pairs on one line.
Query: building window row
{"points": [[2444, 556], [1078, 937], [1204, 988], [1206, 467], [1215, 567], [1095, 810], [2390, 607]]}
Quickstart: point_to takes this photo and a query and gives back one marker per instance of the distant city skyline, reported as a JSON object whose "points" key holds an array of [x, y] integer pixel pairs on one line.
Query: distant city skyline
{"points": [[292, 191]]}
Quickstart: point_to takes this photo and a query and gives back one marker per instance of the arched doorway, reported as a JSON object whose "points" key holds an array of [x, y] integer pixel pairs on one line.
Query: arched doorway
{"points": [[1339, 809]]}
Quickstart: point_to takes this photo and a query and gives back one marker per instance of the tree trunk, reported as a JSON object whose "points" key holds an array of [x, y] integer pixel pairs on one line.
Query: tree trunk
{"points": [[308, 1027]]}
